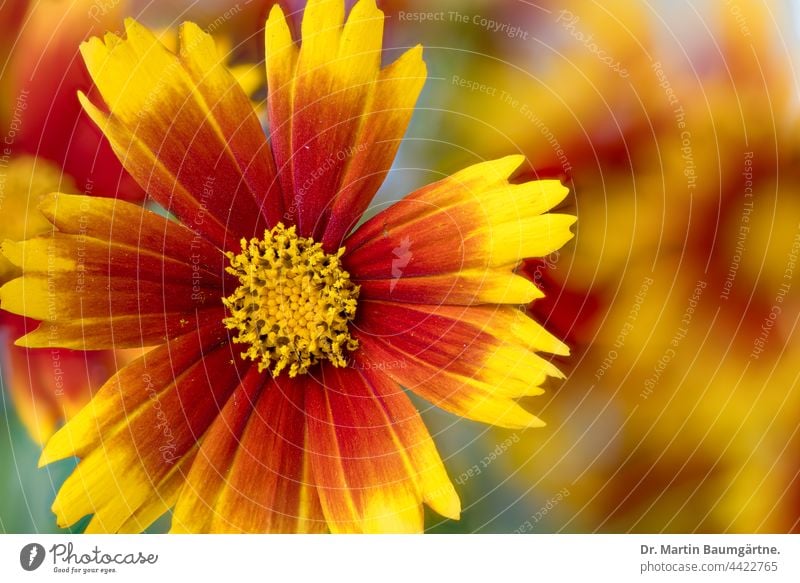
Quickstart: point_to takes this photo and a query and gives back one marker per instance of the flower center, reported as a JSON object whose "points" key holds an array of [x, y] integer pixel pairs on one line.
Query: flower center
{"points": [[293, 304]]}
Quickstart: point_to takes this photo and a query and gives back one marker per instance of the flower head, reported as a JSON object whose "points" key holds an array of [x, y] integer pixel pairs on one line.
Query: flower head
{"points": [[284, 335], [294, 303]]}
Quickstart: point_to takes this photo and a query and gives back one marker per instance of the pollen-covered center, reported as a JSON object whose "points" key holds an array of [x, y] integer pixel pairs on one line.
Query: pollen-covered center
{"points": [[294, 302]]}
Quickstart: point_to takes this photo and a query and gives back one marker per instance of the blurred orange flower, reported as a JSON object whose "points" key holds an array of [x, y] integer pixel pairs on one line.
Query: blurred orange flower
{"points": [[49, 144]]}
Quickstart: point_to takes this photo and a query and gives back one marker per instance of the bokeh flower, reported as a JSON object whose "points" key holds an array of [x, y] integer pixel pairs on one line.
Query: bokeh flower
{"points": [[273, 400], [679, 294], [49, 144]]}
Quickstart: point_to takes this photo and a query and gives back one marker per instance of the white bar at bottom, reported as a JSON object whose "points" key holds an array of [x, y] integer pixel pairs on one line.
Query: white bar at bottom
{"points": [[390, 558]]}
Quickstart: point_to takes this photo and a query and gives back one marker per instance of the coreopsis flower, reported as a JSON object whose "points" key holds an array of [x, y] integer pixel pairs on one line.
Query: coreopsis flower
{"points": [[284, 333]]}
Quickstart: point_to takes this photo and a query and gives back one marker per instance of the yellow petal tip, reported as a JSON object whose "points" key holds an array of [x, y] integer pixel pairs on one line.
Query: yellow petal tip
{"points": [[276, 12], [47, 206], [54, 449], [131, 23], [11, 251], [448, 505], [30, 339], [5, 247], [535, 423], [44, 460]]}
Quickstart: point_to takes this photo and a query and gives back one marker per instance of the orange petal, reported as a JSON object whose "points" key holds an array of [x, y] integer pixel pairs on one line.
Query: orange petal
{"points": [[96, 257], [53, 384], [63, 296], [373, 460], [183, 127], [165, 493], [140, 426], [130, 331], [469, 230], [238, 122], [131, 225], [252, 474], [383, 124], [329, 104], [157, 277], [466, 287], [471, 361]]}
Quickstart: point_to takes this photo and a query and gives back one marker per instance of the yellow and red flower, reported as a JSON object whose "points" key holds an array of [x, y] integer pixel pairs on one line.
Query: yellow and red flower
{"points": [[284, 332]]}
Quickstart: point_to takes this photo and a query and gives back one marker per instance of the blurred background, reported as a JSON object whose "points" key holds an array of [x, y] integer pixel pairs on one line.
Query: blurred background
{"points": [[675, 125]]}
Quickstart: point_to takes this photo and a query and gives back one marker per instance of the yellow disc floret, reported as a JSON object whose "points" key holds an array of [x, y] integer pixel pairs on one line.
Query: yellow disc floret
{"points": [[294, 302]]}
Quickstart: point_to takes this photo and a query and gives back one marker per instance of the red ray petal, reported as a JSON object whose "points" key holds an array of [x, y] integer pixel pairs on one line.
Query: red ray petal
{"points": [[173, 140], [252, 474], [140, 425], [373, 460]]}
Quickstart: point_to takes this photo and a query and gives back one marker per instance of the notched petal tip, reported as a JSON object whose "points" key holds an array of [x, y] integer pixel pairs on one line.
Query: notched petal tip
{"points": [[134, 26], [495, 172], [55, 508], [564, 223], [191, 37], [560, 191], [367, 10], [559, 349], [190, 27], [570, 220], [90, 46], [111, 40], [61, 512]]}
